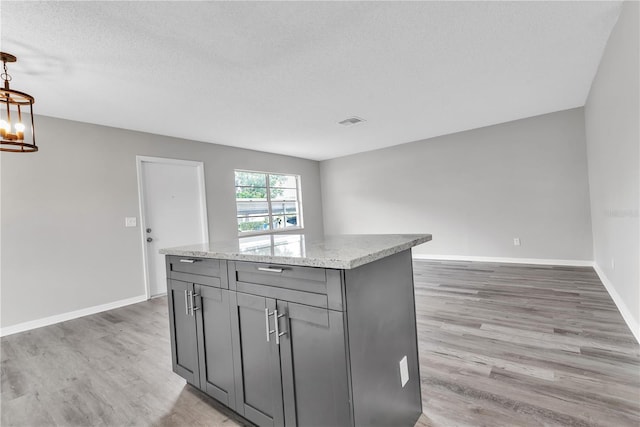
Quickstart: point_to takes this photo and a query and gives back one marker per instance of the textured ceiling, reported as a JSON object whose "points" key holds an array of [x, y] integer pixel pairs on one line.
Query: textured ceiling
{"points": [[279, 76]]}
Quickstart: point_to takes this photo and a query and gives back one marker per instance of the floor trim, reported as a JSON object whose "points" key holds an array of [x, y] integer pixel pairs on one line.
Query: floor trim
{"points": [[632, 323], [46, 321], [536, 261]]}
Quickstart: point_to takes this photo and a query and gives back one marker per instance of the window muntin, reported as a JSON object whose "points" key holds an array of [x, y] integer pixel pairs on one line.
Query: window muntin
{"points": [[267, 202]]}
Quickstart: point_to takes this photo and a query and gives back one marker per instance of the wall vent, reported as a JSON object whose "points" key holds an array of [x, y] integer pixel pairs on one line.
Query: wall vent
{"points": [[351, 121]]}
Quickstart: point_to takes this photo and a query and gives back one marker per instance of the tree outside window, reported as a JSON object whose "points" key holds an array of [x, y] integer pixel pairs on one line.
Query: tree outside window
{"points": [[267, 202]]}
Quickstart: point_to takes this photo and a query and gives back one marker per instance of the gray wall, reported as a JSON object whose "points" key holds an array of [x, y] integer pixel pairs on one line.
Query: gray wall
{"points": [[64, 244], [474, 191], [613, 137]]}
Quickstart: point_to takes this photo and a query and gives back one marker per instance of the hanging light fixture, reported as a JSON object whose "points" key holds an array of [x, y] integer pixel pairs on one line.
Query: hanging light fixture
{"points": [[12, 128]]}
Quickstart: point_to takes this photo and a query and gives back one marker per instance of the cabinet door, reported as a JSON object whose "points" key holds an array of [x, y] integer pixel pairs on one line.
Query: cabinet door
{"points": [[256, 360], [182, 326], [214, 344], [314, 366]]}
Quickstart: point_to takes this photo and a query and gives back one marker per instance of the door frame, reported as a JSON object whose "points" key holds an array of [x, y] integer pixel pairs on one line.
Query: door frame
{"points": [[142, 210]]}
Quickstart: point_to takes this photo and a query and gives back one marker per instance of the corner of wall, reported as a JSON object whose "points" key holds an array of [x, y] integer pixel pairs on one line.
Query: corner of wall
{"points": [[612, 132], [632, 323]]}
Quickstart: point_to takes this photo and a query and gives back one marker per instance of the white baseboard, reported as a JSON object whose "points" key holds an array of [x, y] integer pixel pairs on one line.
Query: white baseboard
{"points": [[536, 261], [46, 321], [632, 323], [164, 294]]}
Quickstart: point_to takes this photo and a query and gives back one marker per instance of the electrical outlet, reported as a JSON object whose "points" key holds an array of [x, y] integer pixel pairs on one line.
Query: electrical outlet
{"points": [[516, 241], [130, 221], [404, 371], [613, 264]]}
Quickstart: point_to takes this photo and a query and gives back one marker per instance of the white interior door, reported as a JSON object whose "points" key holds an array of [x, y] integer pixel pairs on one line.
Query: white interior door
{"points": [[173, 210]]}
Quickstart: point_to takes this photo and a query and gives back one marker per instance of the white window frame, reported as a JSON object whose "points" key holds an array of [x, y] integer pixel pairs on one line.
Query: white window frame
{"points": [[270, 214]]}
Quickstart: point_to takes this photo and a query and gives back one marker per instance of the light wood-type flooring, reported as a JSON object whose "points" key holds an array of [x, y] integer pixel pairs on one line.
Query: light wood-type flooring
{"points": [[520, 345], [500, 345]]}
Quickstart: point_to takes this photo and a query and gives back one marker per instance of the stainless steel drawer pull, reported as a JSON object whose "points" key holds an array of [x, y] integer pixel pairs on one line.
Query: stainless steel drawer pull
{"points": [[271, 269], [188, 261]]}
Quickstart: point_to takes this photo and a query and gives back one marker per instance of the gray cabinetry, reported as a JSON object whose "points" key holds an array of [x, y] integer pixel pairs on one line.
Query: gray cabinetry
{"points": [[184, 347], [256, 359], [305, 350], [299, 346], [314, 366], [214, 340], [200, 326]]}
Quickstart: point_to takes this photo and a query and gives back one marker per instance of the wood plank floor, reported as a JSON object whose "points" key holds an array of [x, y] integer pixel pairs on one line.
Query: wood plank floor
{"points": [[523, 345], [500, 345], [108, 369]]}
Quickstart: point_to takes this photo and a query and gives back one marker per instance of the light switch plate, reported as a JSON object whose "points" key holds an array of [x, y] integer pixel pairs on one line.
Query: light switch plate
{"points": [[404, 371], [130, 221]]}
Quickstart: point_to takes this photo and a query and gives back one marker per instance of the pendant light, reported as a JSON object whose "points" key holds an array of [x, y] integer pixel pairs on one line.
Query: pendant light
{"points": [[13, 106]]}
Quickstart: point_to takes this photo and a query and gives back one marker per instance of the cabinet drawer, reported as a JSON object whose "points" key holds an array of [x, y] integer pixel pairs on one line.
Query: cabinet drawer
{"points": [[306, 279], [319, 287], [209, 272]]}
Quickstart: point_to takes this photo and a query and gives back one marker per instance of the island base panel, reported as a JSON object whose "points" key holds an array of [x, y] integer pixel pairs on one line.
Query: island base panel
{"points": [[381, 320]]}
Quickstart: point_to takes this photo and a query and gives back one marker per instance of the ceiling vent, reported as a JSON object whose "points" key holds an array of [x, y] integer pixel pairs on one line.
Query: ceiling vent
{"points": [[351, 121]]}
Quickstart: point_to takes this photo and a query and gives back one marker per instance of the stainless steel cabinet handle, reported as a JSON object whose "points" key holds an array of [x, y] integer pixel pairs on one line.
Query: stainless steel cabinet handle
{"points": [[277, 331], [266, 322], [193, 303], [270, 269], [186, 303], [188, 261]]}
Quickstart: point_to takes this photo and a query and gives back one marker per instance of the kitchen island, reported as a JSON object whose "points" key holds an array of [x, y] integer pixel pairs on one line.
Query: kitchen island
{"points": [[287, 330]]}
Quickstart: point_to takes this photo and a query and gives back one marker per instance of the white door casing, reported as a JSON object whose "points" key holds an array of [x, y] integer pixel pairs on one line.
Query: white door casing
{"points": [[173, 206]]}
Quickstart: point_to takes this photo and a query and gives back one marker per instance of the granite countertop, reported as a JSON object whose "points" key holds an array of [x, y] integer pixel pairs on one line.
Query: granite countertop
{"points": [[340, 251]]}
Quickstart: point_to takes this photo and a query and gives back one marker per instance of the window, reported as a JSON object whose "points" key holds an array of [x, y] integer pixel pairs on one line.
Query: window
{"points": [[267, 202]]}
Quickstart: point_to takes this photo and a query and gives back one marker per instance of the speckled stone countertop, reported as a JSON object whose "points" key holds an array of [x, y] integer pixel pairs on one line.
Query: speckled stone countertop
{"points": [[341, 251]]}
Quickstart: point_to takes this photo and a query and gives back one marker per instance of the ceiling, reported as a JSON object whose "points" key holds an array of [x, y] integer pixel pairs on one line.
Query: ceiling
{"points": [[279, 76]]}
